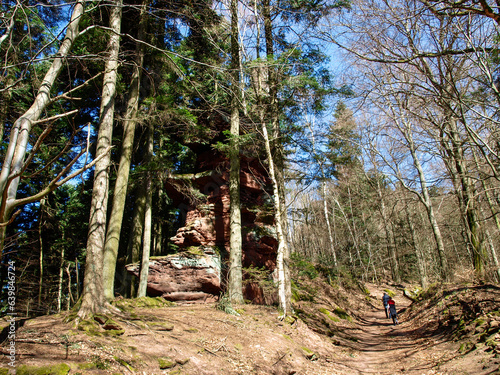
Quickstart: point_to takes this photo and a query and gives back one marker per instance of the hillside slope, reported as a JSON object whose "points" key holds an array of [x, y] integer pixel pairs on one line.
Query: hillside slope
{"points": [[338, 331]]}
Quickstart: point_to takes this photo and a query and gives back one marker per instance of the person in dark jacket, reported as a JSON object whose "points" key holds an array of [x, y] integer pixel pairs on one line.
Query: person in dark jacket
{"points": [[392, 311], [385, 301]]}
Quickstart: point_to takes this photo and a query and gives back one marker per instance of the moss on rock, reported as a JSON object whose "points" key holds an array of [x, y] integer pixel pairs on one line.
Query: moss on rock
{"points": [[166, 363], [110, 324], [128, 304]]}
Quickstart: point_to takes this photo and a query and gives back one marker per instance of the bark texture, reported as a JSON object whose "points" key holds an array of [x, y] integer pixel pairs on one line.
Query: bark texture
{"points": [[122, 177], [93, 299]]}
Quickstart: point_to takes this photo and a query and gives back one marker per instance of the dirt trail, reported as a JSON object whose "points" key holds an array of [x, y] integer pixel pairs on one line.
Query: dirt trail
{"points": [[381, 348], [199, 339], [380, 343]]}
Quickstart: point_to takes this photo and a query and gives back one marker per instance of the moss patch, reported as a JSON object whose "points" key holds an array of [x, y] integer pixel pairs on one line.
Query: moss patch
{"points": [[161, 326], [88, 326], [128, 304], [182, 361], [86, 366], [113, 332], [465, 347], [166, 362], [91, 328], [60, 369], [195, 250], [329, 314], [342, 314], [306, 350], [110, 324]]}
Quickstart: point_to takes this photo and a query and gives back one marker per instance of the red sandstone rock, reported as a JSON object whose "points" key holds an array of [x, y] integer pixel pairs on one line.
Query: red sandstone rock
{"points": [[183, 277], [205, 198]]}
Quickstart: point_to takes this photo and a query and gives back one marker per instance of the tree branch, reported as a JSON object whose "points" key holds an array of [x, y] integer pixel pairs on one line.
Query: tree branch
{"points": [[55, 183]]}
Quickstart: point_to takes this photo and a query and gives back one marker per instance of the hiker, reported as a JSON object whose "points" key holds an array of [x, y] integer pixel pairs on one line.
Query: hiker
{"points": [[385, 301], [392, 311]]}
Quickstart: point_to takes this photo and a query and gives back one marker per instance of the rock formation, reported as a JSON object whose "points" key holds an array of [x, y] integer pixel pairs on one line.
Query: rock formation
{"points": [[207, 220], [203, 199], [186, 276]]}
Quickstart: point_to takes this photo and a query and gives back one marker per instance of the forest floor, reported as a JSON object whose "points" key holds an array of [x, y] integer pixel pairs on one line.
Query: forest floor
{"points": [[337, 330]]}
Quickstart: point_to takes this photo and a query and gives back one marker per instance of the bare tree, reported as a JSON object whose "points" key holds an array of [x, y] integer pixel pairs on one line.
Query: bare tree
{"points": [[438, 64]]}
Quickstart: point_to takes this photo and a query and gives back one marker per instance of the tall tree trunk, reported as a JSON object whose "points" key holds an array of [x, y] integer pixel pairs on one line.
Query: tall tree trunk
{"points": [[328, 225], [495, 215], [465, 192], [354, 230], [277, 153], [283, 296], [158, 234], [93, 299], [285, 303], [60, 280], [69, 300], [40, 257], [235, 286], [121, 184], [325, 203], [422, 272], [425, 198], [348, 225], [19, 136], [135, 238], [146, 242], [494, 256], [391, 248]]}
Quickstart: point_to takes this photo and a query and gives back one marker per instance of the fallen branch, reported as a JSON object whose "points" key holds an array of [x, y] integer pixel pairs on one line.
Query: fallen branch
{"points": [[280, 358]]}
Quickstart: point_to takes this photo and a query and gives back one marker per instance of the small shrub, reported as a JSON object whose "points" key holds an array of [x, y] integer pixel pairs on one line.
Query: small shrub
{"points": [[304, 267], [224, 304], [261, 277]]}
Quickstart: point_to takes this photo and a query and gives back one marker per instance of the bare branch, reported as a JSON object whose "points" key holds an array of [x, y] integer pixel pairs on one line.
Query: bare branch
{"points": [[55, 183]]}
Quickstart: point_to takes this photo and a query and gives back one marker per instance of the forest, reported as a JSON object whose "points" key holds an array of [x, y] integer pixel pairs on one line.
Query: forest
{"points": [[371, 126]]}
